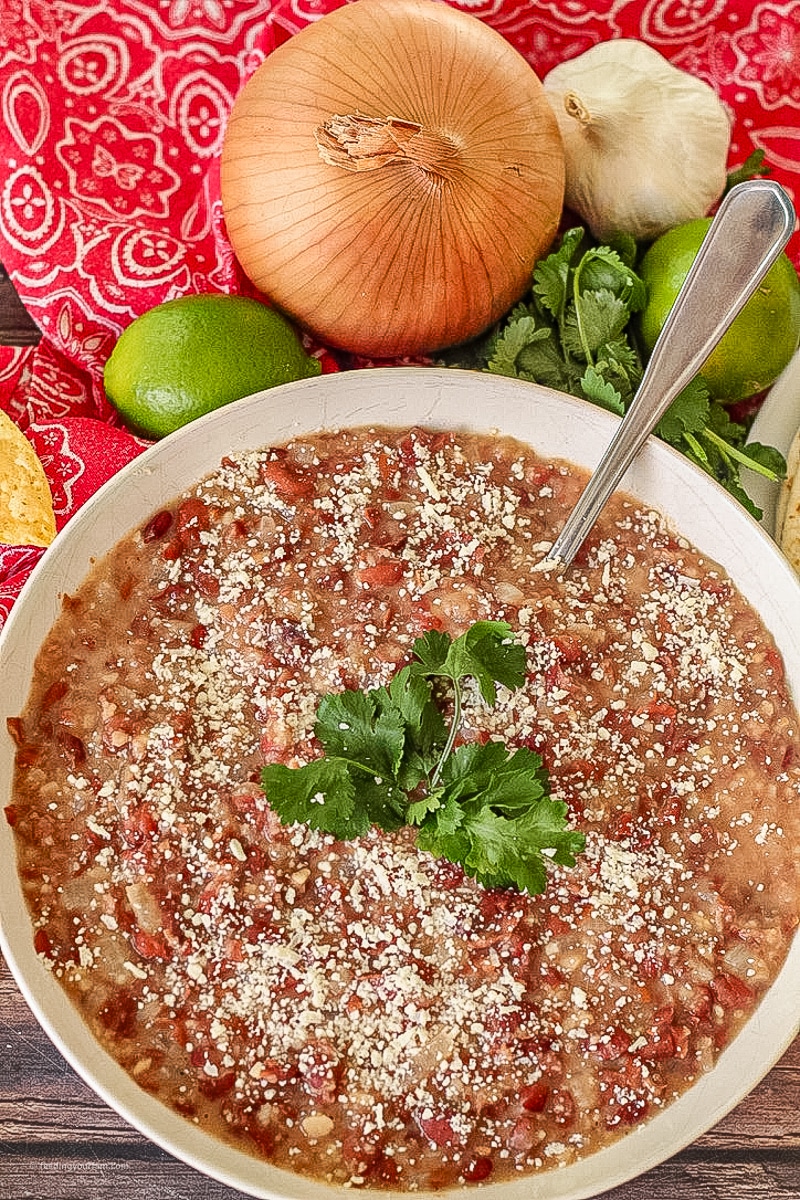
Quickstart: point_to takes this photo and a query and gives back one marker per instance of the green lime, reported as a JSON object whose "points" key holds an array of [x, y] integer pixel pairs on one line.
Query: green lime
{"points": [[757, 346], [189, 356]]}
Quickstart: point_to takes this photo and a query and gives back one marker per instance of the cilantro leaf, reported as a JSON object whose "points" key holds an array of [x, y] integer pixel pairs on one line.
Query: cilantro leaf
{"points": [[544, 826], [425, 727], [766, 460], [471, 766], [514, 779], [618, 365], [704, 431], [493, 854], [321, 795], [621, 356], [576, 314], [688, 413], [540, 836], [411, 696], [625, 246], [721, 423], [383, 802], [520, 334], [519, 781], [418, 810], [445, 835], [599, 318], [601, 392], [602, 269], [551, 275], [487, 651], [361, 730], [542, 361], [431, 651], [355, 784]]}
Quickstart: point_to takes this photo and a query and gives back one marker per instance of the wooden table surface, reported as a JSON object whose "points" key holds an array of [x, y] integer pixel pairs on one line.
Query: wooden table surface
{"points": [[58, 1141], [17, 327]]}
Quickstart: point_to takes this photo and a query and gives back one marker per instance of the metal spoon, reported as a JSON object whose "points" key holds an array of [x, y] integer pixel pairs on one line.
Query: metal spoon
{"points": [[751, 227]]}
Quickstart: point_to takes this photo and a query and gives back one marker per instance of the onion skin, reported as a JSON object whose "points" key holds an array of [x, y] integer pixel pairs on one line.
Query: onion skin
{"points": [[416, 253]]}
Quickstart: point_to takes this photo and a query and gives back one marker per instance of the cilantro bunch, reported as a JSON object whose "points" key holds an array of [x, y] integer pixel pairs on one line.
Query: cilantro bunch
{"points": [[391, 760], [574, 332]]}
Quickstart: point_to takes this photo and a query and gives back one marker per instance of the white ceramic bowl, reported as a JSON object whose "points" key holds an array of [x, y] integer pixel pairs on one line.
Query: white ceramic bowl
{"points": [[556, 426]]}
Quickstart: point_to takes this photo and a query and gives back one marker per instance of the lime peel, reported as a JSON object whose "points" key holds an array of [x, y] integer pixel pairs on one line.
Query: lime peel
{"points": [[186, 357], [761, 340]]}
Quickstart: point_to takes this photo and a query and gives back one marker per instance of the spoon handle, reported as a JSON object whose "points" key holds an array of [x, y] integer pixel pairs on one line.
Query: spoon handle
{"points": [[748, 233]]}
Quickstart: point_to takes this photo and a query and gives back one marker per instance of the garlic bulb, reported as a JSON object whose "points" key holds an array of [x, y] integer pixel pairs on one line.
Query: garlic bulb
{"points": [[646, 144]]}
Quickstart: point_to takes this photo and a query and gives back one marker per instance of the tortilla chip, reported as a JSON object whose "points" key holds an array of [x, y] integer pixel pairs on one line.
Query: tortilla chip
{"points": [[792, 470], [26, 506], [790, 533]]}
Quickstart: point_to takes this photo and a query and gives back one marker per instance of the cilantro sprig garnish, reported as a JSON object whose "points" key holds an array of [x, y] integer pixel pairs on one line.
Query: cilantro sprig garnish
{"points": [[390, 759], [574, 332]]}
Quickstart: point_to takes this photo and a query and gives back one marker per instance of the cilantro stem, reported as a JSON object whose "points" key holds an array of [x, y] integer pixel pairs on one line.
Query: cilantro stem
{"points": [[731, 451], [451, 736], [578, 317], [697, 449], [358, 766]]}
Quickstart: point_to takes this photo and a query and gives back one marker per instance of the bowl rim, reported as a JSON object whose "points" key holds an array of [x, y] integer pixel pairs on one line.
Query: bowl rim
{"points": [[394, 396]]}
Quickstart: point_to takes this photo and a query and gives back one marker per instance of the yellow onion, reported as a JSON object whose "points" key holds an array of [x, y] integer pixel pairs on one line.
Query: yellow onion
{"points": [[390, 176]]}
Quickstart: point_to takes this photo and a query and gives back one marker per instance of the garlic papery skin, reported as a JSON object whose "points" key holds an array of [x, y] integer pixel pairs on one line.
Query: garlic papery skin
{"points": [[646, 144]]}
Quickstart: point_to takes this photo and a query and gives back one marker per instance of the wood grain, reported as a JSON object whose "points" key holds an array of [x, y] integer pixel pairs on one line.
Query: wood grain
{"points": [[17, 327], [59, 1141]]}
